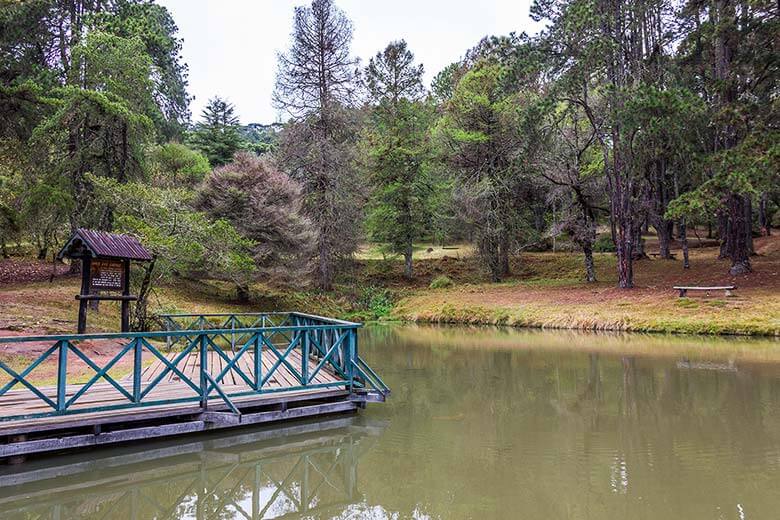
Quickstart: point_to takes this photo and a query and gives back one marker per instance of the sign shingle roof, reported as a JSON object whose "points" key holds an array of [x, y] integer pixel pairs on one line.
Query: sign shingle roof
{"points": [[104, 244]]}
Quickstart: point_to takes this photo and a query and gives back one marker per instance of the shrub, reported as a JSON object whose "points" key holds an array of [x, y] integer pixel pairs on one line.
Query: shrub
{"points": [[441, 282], [376, 301], [604, 244]]}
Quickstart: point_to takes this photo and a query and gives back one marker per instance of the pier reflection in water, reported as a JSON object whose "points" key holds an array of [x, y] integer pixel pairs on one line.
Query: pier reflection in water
{"points": [[301, 469]]}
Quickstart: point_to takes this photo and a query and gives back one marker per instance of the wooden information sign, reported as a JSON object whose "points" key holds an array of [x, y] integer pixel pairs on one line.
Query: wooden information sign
{"points": [[105, 267], [106, 275]]}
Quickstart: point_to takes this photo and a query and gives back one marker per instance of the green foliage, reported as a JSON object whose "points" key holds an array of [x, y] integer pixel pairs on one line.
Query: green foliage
{"points": [[604, 244], [491, 134], [441, 282], [175, 164], [399, 150], [261, 139], [399, 209], [153, 25], [185, 242], [217, 136], [376, 300], [117, 67]]}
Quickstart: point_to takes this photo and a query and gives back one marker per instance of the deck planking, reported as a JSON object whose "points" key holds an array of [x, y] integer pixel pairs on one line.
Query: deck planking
{"points": [[24, 402]]}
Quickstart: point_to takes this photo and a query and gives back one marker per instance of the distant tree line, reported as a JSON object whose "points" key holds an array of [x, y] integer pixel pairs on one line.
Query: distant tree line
{"points": [[620, 115]]}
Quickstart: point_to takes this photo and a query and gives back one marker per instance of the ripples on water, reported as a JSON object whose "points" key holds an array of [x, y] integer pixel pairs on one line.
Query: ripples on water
{"points": [[482, 423]]}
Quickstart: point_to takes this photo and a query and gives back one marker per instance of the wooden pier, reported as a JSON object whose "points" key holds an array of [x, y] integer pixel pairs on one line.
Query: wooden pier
{"points": [[205, 372]]}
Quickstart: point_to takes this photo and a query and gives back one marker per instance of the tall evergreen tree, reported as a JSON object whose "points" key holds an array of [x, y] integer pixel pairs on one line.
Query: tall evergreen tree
{"points": [[481, 129], [398, 148], [217, 135], [601, 52]]}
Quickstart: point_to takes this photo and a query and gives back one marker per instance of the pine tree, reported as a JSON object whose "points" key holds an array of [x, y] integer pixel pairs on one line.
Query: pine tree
{"points": [[217, 136], [398, 147]]}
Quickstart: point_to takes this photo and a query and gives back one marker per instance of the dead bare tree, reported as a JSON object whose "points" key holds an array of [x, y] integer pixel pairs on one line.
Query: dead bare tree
{"points": [[316, 85]]}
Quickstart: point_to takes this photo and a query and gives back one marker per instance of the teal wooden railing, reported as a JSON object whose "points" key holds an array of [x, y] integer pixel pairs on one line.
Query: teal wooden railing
{"points": [[330, 343]]}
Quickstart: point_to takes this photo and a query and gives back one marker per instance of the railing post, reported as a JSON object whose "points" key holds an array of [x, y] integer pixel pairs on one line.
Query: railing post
{"points": [[351, 358], [167, 338], [258, 347], [305, 357], [204, 397], [137, 352], [233, 333], [62, 375]]}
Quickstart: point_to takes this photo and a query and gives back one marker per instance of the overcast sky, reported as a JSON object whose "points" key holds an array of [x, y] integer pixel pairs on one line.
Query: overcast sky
{"points": [[231, 45]]}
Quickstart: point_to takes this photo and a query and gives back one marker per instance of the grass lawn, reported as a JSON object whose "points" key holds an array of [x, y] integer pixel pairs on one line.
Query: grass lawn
{"points": [[545, 290]]}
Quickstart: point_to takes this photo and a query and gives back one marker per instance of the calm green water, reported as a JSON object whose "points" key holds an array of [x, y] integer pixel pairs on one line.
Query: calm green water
{"points": [[482, 423]]}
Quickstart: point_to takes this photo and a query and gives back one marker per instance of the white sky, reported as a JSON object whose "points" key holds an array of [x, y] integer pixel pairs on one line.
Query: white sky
{"points": [[231, 45]]}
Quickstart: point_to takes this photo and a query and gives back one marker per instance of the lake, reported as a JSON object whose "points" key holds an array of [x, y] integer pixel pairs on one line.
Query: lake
{"points": [[482, 423]]}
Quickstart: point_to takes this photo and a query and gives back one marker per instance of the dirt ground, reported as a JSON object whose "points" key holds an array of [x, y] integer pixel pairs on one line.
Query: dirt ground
{"points": [[23, 270]]}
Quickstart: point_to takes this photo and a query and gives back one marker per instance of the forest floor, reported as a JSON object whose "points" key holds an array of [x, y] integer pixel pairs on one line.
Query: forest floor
{"points": [[548, 290], [545, 290]]}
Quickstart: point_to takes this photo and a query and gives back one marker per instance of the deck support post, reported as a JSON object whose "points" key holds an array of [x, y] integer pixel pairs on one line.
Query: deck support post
{"points": [[305, 357], [86, 266], [233, 334], [350, 361], [16, 459], [258, 361]]}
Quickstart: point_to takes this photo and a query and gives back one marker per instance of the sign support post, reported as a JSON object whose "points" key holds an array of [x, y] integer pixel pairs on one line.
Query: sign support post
{"points": [[126, 293], [86, 267]]}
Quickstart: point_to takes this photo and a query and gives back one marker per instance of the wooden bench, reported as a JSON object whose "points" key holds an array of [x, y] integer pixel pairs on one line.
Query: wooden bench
{"points": [[727, 289]]}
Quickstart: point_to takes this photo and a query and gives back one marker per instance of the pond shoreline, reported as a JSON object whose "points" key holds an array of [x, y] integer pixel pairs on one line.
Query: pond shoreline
{"points": [[739, 317]]}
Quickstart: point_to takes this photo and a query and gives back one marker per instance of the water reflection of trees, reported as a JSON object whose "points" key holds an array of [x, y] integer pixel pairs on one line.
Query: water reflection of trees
{"points": [[569, 433], [305, 469]]}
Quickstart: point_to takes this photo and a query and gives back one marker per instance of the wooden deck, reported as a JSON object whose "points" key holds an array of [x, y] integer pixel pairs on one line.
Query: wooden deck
{"points": [[24, 402], [306, 366]]}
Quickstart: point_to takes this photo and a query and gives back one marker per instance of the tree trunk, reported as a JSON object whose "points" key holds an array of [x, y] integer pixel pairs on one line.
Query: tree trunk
{"points": [[489, 251], [539, 224], [724, 225], [683, 235], [590, 271], [625, 258], [325, 269], [663, 230], [242, 293], [408, 272], [504, 255], [764, 222], [639, 245], [749, 224], [140, 317], [738, 247]]}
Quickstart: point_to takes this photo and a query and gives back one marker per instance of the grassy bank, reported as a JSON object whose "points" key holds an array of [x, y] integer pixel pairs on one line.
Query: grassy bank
{"points": [[548, 293], [545, 290]]}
